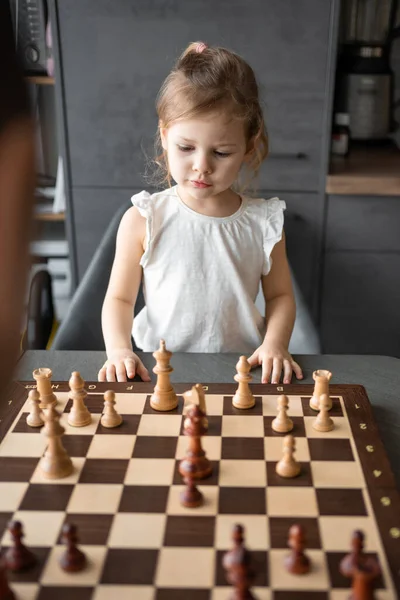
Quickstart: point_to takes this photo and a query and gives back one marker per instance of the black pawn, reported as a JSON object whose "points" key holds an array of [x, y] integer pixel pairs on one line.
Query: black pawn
{"points": [[18, 557], [356, 556], [363, 579], [237, 564], [73, 559], [191, 497], [297, 562], [6, 592]]}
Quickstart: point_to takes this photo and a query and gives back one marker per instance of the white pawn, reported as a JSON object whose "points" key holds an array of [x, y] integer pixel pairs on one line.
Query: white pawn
{"points": [[34, 419], [79, 415], [282, 423], [323, 421], [288, 465], [110, 417]]}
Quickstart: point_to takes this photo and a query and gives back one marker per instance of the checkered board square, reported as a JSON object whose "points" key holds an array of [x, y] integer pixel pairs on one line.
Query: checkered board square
{"points": [[123, 495]]}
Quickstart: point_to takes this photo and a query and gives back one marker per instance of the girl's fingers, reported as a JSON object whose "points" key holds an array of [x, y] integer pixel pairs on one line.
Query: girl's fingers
{"points": [[266, 370], [130, 366], [142, 371], [111, 372], [287, 371], [102, 375], [120, 371], [297, 370], [276, 370]]}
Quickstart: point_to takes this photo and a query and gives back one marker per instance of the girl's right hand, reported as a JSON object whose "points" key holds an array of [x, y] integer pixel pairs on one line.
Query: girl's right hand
{"points": [[123, 363]]}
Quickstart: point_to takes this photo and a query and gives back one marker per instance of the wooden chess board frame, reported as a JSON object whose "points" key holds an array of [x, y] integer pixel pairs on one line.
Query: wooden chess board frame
{"points": [[379, 478]]}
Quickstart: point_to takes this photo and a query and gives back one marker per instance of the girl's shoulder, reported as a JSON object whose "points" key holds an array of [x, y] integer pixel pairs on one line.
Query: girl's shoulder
{"points": [[265, 208], [146, 202]]}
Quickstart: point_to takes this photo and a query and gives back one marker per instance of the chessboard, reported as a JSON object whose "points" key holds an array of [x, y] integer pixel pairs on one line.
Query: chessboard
{"points": [[140, 542]]}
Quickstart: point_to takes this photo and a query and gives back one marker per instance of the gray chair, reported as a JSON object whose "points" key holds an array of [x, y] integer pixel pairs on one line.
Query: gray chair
{"points": [[81, 327]]}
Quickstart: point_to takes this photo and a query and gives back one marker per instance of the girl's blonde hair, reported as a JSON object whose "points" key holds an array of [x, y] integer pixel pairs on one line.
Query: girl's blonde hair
{"points": [[207, 79]]}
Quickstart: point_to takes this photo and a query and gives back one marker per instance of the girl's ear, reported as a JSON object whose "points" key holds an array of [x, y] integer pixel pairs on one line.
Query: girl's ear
{"points": [[163, 134]]}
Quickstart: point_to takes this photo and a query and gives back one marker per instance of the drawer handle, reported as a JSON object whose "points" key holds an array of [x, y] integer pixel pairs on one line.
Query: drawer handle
{"points": [[289, 155]]}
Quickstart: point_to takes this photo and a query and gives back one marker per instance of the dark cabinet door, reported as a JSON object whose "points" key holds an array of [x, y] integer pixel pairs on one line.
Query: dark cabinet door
{"points": [[115, 54]]}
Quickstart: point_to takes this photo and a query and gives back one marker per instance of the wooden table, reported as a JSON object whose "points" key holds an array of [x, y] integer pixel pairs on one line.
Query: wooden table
{"points": [[380, 375]]}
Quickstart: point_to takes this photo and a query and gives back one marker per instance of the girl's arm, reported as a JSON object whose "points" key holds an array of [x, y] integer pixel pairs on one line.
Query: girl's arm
{"points": [[280, 314], [120, 298]]}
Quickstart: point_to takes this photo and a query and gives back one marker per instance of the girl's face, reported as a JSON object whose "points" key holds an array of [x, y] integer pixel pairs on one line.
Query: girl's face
{"points": [[205, 153]]}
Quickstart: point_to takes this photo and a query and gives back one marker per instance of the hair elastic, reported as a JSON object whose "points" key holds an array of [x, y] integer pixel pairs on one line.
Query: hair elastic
{"points": [[200, 47]]}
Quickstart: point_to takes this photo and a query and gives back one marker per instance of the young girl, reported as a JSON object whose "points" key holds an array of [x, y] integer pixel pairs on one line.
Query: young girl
{"points": [[201, 247]]}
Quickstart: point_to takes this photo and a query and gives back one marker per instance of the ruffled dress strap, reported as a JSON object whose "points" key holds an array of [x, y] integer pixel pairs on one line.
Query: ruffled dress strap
{"points": [[273, 229], [144, 204]]}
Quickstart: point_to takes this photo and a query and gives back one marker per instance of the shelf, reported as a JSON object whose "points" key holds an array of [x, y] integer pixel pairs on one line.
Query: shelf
{"points": [[49, 216], [367, 171], [40, 79]]}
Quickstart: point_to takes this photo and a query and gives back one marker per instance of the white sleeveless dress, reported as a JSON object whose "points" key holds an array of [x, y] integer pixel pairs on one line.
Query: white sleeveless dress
{"points": [[201, 274]]}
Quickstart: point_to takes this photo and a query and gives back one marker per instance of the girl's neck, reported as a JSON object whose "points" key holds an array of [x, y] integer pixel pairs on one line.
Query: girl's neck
{"points": [[224, 204]]}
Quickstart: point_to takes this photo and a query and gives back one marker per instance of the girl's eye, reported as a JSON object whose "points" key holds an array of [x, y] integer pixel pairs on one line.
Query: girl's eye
{"points": [[185, 148], [222, 154]]}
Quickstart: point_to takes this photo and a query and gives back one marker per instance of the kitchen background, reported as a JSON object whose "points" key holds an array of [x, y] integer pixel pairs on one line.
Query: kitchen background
{"points": [[329, 72]]}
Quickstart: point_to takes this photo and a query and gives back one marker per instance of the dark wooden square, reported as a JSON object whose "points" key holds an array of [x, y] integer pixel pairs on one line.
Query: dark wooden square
{"points": [[279, 531], [330, 449], [303, 479], [181, 594], [214, 425], [259, 562], [298, 430], [46, 497], [336, 410], [155, 447], [245, 500], [129, 426], [92, 529], [147, 410], [189, 531], [22, 426], [337, 579], [340, 502], [101, 470], [144, 499], [242, 448], [65, 593], [229, 409], [33, 573], [94, 403], [211, 480], [13, 468], [129, 566], [77, 445]]}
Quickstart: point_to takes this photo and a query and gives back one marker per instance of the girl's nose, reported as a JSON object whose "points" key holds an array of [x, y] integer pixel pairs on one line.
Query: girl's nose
{"points": [[201, 164]]}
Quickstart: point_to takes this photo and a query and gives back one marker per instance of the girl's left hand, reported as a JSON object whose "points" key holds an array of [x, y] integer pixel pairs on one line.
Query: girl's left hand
{"points": [[274, 359]]}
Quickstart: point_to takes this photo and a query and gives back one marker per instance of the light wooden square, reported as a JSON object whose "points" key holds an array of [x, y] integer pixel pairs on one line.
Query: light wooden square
{"points": [[211, 446], [54, 575], [130, 404], [214, 404], [337, 474], [223, 593], [209, 507], [270, 406], [289, 501], [273, 447], [124, 592], [343, 594], [341, 430], [87, 430], [137, 530], [150, 471], [256, 531], [238, 426], [336, 533], [25, 591], [160, 425], [242, 473], [111, 446], [11, 494], [23, 444], [185, 567], [95, 498], [280, 579], [77, 463], [41, 528], [62, 400]]}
